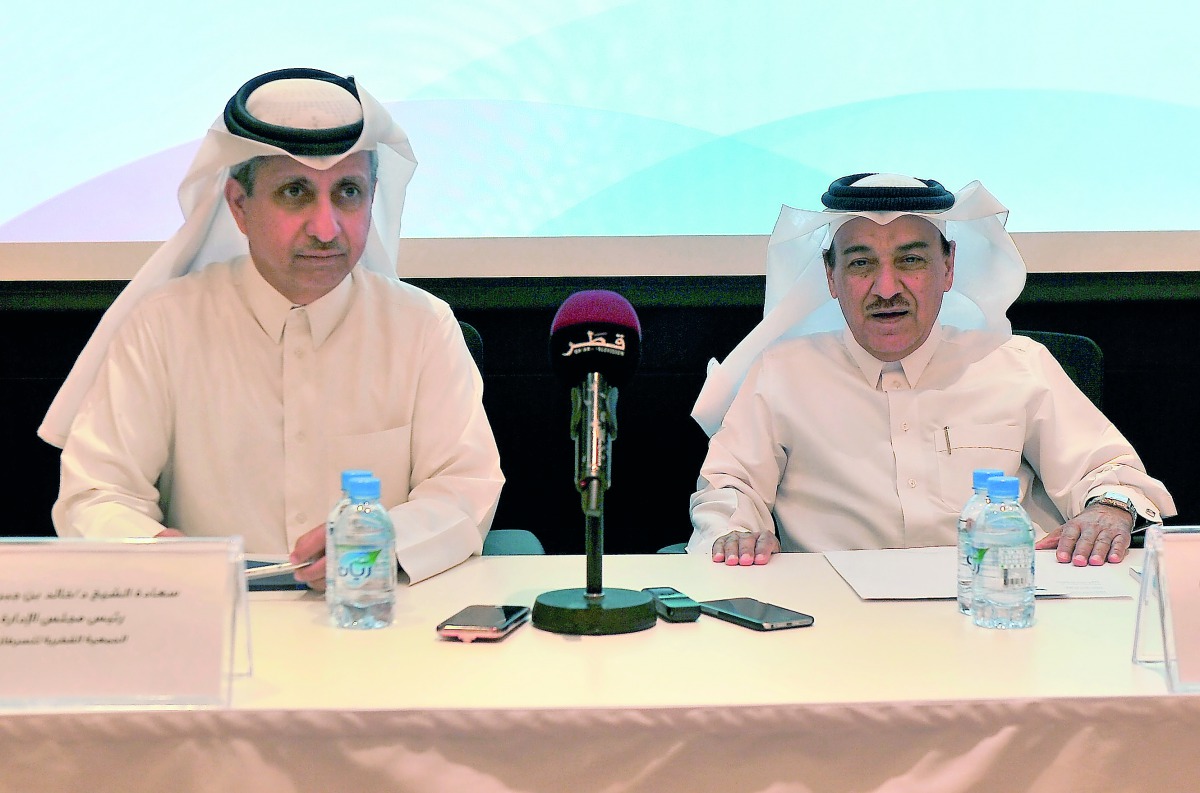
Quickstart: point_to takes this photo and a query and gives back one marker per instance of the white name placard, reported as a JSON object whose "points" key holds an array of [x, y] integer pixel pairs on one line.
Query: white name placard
{"points": [[1169, 605], [117, 622]]}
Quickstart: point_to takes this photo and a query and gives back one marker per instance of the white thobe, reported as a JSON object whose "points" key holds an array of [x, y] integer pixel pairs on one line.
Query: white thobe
{"points": [[221, 409], [834, 453]]}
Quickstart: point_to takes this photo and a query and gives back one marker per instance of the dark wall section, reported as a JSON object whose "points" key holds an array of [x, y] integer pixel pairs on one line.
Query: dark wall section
{"points": [[1141, 321]]}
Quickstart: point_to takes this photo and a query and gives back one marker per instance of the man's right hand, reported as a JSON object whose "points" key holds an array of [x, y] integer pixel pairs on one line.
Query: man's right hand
{"points": [[311, 546], [745, 548]]}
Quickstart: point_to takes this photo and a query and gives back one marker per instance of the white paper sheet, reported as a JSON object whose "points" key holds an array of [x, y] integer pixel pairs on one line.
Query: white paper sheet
{"points": [[931, 574]]}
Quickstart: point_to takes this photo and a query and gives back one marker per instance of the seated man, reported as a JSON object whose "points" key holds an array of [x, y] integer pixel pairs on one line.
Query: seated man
{"points": [[860, 428], [227, 401]]}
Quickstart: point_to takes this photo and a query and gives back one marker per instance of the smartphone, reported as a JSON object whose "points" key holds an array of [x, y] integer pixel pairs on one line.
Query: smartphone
{"points": [[487, 623], [264, 574], [266, 569], [756, 614], [672, 605]]}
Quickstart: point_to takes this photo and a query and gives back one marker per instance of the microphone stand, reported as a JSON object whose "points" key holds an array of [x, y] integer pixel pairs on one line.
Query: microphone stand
{"points": [[593, 428], [594, 610]]}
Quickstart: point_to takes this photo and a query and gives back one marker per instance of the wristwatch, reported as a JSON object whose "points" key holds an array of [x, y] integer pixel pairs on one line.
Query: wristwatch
{"points": [[1114, 499]]}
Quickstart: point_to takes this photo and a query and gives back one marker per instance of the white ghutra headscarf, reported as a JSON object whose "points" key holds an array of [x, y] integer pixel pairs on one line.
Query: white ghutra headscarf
{"points": [[989, 272], [315, 117]]}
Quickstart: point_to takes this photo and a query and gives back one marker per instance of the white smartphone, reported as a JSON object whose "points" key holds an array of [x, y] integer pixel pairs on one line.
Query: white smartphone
{"points": [[486, 623], [268, 570]]}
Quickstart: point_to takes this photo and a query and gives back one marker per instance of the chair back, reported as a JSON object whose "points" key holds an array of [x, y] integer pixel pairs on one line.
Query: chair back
{"points": [[500, 542], [1080, 357], [474, 343]]}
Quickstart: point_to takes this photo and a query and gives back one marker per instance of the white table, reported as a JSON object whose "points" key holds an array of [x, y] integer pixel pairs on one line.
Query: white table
{"points": [[887, 696]]}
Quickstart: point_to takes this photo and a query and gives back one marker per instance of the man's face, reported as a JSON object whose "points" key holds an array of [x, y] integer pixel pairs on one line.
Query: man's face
{"points": [[306, 228], [889, 281]]}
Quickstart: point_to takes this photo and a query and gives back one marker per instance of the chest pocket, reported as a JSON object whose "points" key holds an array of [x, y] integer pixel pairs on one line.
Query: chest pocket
{"points": [[386, 453], [962, 449]]}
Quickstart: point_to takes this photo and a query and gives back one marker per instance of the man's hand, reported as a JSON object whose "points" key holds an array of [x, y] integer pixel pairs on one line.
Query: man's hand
{"points": [[745, 547], [311, 545], [169, 533], [1100, 533]]}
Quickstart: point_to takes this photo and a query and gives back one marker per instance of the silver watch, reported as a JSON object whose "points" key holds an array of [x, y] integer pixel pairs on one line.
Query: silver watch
{"points": [[1114, 499]]}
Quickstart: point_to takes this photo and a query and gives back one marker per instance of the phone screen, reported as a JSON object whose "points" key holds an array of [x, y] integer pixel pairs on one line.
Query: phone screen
{"points": [[755, 614], [483, 622]]}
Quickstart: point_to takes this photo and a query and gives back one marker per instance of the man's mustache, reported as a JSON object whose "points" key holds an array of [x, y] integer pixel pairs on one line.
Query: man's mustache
{"points": [[316, 246], [888, 305]]}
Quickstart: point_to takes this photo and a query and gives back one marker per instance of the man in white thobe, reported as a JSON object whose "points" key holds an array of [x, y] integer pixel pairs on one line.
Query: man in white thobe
{"points": [[269, 345], [883, 374]]}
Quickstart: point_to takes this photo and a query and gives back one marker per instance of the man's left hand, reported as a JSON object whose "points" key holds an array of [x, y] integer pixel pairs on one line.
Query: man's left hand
{"points": [[1098, 534], [311, 545]]}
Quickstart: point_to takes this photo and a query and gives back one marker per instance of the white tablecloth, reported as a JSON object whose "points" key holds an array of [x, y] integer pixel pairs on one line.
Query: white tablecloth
{"points": [[876, 696]]}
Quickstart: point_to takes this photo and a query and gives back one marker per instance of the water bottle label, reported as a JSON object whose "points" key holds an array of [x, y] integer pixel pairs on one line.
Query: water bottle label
{"points": [[1016, 579], [356, 565], [1004, 567], [975, 556]]}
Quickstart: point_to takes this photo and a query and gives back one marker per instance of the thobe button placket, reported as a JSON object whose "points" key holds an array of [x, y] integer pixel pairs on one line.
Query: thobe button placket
{"points": [[901, 408], [300, 413]]}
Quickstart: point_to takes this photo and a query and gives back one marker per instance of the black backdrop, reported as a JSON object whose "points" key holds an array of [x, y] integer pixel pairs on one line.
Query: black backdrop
{"points": [[1142, 321]]}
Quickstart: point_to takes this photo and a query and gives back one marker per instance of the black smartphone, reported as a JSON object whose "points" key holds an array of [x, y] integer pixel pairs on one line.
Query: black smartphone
{"points": [[672, 605], [755, 614], [487, 623]]}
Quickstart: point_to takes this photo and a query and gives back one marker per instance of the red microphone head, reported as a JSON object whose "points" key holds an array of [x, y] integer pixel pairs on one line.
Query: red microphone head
{"points": [[595, 331]]}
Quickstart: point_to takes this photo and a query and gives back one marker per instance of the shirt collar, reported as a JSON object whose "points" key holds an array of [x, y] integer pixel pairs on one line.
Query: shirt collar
{"points": [[271, 309], [913, 364]]}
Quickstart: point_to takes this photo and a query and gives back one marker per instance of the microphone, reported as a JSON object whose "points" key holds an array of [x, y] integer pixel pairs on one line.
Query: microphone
{"points": [[595, 343], [595, 331]]}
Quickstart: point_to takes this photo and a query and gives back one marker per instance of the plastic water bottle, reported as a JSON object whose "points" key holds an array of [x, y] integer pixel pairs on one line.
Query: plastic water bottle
{"points": [[363, 591], [966, 521], [1002, 587], [342, 502]]}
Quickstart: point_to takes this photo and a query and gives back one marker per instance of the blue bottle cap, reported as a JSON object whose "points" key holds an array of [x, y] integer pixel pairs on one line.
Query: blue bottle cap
{"points": [[1003, 487], [362, 488], [980, 477], [349, 472]]}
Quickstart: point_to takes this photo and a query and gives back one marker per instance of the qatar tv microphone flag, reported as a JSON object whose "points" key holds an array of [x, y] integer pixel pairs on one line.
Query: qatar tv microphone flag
{"points": [[595, 331], [595, 344]]}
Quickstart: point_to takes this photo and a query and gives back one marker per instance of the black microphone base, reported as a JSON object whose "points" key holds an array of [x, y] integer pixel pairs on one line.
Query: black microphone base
{"points": [[614, 611]]}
